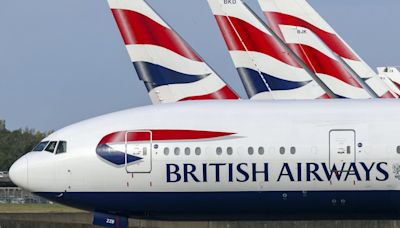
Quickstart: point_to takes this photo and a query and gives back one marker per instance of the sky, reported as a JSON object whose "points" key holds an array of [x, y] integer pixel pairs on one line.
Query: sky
{"points": [[63, 61]]}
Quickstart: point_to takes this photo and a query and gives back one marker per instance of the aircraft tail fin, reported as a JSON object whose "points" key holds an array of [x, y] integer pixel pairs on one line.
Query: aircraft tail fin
{"points": [[266, 69], [170, 69], [298, 14]]}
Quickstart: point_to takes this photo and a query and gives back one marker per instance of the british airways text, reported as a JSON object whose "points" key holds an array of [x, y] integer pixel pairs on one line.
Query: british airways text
{"points": [[297, 172]]}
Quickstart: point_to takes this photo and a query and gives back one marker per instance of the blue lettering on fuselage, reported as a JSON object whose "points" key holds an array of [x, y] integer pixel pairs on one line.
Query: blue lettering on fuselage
{"points": [[259, 172]]}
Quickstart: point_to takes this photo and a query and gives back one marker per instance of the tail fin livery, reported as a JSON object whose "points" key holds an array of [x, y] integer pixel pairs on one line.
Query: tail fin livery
{"points": [[170, 69], [391, 76], [266, 69], [284, 15]]}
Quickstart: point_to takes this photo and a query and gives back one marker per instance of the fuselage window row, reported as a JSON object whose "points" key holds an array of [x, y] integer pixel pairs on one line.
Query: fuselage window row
{"points": [[230, 150], [187, 151]]}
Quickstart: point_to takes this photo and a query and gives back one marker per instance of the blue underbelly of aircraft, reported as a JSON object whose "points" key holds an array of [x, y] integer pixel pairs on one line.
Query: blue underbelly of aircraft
{"points": [[238, 205]]}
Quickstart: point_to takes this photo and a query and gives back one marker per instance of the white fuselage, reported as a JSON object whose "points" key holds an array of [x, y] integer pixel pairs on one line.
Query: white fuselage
{"points": [[289, 149]]}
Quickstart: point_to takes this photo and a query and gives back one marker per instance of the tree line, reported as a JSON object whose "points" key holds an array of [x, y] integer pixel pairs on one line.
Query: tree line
{"points": [[14, 144]]}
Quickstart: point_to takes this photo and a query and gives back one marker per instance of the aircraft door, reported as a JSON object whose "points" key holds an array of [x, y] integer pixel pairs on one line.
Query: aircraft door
{"points": [[138, 151], [342, 147]]}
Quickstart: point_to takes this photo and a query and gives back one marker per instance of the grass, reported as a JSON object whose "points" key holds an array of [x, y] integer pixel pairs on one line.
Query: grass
{"points": [[36, 208]]}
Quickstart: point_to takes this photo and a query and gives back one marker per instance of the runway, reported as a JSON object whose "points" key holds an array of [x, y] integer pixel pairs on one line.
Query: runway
{"points": [[83, 220]]}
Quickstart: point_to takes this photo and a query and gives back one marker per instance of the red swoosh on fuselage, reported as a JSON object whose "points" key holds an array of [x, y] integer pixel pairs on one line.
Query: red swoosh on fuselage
{"points": [[162, 135]]}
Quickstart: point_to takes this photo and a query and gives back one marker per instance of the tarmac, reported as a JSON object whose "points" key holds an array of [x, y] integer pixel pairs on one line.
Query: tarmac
{"points": [[84, 220]]}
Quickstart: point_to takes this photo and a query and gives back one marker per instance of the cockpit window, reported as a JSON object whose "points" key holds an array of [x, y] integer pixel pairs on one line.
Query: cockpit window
{"points": [[62, 147], [40, 146], [51, 147]]}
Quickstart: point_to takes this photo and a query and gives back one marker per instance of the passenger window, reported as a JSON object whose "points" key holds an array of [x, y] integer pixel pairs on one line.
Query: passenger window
{"points": [[229, 151], [219, 150], [398, 149], [40, 146], [62, 147], [282, 150], [51, 147], [187, 151], [251, 150], [166, 151], [177, 151], [292, 150], [261, 150], [197, 151]]}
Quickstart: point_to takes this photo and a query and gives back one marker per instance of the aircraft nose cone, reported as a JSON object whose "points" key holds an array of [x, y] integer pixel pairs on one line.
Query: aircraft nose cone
{"points": [[18, 172]]}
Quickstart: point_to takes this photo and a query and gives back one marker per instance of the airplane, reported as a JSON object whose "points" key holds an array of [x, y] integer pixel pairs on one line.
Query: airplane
{"points": [[309, 35], [224, 160], [170, 69]]}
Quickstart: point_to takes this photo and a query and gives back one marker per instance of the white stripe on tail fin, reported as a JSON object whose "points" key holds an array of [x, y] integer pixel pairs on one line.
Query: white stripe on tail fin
{"points": [[171, 70], [299, 14], [267, 70], [323, 62]]}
